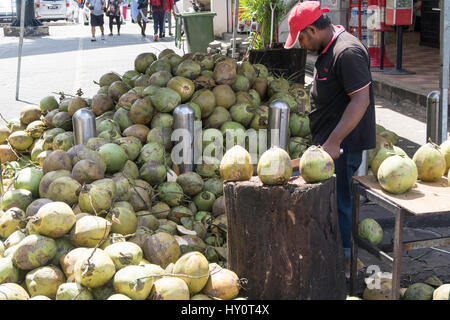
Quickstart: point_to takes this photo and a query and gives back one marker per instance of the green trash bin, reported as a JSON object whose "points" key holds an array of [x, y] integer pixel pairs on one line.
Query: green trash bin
{"points": [[199, 30]]}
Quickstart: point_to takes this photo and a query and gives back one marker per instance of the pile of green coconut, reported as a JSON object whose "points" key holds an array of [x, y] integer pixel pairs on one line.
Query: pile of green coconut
{"points": [[113, 218]]}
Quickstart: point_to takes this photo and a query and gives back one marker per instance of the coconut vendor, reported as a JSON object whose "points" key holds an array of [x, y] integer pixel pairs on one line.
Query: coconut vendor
{"points": [[342, 103]]}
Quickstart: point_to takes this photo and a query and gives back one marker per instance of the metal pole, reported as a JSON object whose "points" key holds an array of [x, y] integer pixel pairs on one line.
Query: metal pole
{"points": [[445, 73], [236, 16], [22, 24]]}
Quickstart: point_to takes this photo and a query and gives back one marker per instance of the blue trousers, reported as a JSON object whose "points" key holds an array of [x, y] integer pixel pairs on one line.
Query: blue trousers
{"points": [[345, 167], [158, 22]]}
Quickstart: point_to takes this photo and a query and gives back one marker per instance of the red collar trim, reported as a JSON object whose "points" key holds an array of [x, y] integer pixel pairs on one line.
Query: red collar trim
{"points": [[340, 30]]}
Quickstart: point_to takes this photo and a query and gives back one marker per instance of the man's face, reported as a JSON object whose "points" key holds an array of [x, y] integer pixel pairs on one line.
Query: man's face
{"points": [[309, 40]]}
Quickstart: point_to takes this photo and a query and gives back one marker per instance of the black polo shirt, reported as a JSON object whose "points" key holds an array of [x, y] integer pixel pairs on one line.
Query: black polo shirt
{"points": [[341, 69]]}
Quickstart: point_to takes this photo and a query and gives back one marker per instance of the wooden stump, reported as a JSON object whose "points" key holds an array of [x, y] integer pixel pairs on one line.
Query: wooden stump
{"points": [[285, 240]]}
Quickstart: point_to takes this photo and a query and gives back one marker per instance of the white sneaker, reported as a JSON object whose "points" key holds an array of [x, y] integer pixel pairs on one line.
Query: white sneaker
{"points": [[93, 39], [103, 37]]}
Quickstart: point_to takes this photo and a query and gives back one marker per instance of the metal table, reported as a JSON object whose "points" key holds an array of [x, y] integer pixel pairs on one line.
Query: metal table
{"points": [[422, 199]]}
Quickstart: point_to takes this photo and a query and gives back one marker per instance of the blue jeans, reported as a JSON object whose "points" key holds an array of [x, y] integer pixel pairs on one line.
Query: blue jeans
{"points": [[345, 167], [158, 22]]}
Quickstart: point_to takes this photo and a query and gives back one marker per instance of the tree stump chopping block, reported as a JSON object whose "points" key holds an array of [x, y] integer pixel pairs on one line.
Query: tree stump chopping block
{"points": [[285, 240]]}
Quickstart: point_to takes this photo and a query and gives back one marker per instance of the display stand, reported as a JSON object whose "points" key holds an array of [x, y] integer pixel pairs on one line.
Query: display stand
{"points": [[424, 199]]}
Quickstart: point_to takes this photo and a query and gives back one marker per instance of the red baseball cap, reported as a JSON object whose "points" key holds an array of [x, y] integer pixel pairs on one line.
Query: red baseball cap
{"points": [[301, 16]]}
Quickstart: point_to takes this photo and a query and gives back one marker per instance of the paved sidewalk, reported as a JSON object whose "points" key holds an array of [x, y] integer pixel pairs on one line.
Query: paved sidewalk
{"points": [[67, 60]]}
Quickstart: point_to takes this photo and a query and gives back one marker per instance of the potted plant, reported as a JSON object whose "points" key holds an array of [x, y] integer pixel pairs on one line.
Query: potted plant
{"points": [[281, 62]]}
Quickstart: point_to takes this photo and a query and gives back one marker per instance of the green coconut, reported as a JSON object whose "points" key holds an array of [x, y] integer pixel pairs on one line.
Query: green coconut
{"points": [[161, 210], [188, 69], [218, 117], [161, 136], [94, 268], [171, 193], [152, 151], [419, 291], [170, 288], [162, 120], [369, 229], [17, 198], [147, 219], [143, 61], [397, 174], [94, 200], [162, 249], [153, 172], [64, 141], [124, 221], [191, 183], [430, 162], [123, 187], [183, 86], [48, 103], [274, 167], [225, 96], [382, 154], [13, 291], [64, 189], [141, 194], [131, 145], [122, 118], [130, 170], [44, 281], [29, 179], [73, 291], [35, 129], [124, 254], [204, 200], [20, 140], [54, 219], [225, 73], [316, 165], [89, 231], [134, 281], [34, 251], [236, 164], [299, 125], [206, 100], [108, 78], [209, 168], [242, 113], [48, 178], [222, 283], [195, 265], [114, 156], [8, 272]]}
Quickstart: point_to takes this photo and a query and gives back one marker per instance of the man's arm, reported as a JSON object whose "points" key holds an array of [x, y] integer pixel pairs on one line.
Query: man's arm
{"points": [[353, 114]]}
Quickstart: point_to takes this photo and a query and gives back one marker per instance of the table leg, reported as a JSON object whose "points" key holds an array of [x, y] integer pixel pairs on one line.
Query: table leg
{"points": [[354, 255], [398, 252]]}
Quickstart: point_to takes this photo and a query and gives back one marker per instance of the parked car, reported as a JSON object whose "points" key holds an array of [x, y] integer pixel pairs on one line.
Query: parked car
{"points": [[53, 10], [7, 11]]}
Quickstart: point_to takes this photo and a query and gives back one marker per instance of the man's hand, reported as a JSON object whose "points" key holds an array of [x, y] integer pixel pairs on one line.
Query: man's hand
{"points": [[333, 148]]}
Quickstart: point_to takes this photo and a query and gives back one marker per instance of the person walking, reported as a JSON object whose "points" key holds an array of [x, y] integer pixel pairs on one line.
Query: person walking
{"points": [[142, 15], [113, 12], [158, 18], [342, 102], [168, 7], [97, 8]]}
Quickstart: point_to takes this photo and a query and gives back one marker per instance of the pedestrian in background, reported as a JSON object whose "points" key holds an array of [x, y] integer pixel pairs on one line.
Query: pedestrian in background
{"points": [[142, 15], [125, 5], [97, 8], [158, 18], [168, 7], [113, 12]]}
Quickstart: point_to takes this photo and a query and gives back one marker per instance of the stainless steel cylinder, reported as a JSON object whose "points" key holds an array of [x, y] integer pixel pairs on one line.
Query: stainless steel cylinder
{"points": [[364, 166], [83, 122], [433, 123], [278, 125], [183, 152]]}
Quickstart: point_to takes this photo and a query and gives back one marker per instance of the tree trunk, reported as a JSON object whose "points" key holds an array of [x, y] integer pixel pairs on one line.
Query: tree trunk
{"points": [[285, 240]]}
